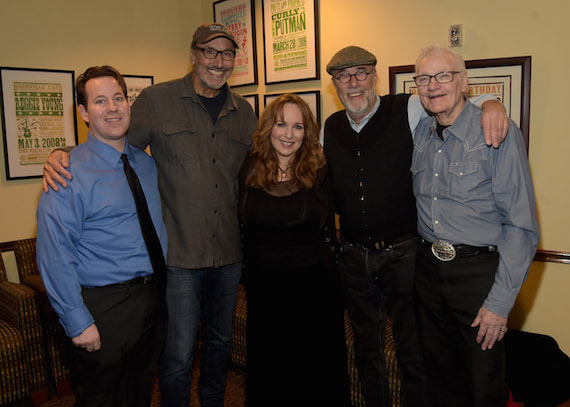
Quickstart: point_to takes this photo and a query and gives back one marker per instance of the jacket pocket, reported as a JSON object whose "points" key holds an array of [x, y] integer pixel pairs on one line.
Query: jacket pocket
{"points": [[181, 141]]}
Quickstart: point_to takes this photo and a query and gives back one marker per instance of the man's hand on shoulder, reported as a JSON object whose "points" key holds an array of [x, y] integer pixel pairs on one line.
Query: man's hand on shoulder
{"points": [[492, 328], [495, 123], [55, 170], [89, 339]]}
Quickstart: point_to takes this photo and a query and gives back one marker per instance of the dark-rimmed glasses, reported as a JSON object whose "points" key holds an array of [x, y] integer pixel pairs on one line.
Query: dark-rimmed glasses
{"points": [[441, 77], [211, 53], [360, 76]]}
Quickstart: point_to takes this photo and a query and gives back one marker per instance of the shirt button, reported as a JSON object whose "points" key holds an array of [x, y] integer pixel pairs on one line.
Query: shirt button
{"points": [[214, 160], [436, 222], [436, 174], [216, 186], [435, 198], [460, 173], [215, 212], [439, 151]]}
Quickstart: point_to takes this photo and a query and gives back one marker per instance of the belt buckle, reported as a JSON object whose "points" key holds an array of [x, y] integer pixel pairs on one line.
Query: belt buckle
{"points": [[147, 279], [443, 251]]}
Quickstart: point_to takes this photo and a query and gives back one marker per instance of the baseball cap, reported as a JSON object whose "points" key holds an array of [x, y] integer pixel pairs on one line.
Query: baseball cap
{"points": [[209, 31]]}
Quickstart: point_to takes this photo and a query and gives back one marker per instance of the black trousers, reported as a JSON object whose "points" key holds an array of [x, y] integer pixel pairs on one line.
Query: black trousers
{"points": [[121, 373], [379, 283], [449, 295]]}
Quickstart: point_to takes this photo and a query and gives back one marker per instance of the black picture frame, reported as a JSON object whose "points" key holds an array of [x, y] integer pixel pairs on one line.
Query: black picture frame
{"points": [[312, 97], [239, 18], [492, 74], [38, 115], [284, 57], [253, 100], [135, 85]]}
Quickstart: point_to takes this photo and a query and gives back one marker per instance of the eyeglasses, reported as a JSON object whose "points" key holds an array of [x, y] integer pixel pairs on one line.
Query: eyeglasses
{"points": [[360, 76], [441, 77], [212, 53]]}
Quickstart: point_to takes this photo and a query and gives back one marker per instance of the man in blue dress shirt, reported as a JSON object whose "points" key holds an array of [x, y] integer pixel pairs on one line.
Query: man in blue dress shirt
{"points": [[93, 258], [477, 220]]}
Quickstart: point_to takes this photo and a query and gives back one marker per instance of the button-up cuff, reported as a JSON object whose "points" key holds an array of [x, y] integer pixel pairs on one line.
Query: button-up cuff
{"points": [[76, 321], [500, 301]]}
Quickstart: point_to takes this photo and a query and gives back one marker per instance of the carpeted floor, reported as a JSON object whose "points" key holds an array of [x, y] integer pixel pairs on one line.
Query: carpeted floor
{"points": [[234, 397]]}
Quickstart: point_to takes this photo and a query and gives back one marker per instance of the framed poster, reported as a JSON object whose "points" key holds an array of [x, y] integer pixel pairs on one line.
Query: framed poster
{"points": [[38, 115], [313, 99], [239, 18], [507, 79], [290, 38], [135, 85], [254, 102]]}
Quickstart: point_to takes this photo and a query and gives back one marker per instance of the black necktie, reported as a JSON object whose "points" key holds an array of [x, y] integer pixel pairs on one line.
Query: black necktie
{"points": [[149, 232]]}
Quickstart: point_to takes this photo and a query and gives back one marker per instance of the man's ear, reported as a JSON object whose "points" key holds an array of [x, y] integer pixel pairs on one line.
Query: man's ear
{"points": [[83, 113], [465, 79]]}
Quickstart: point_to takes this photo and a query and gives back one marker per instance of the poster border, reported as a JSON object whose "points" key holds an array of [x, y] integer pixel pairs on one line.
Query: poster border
{"points": [[315, 56], [251, 37], [317, 94], [5, 120], [397, 74], [255, 97], [150, 78]]}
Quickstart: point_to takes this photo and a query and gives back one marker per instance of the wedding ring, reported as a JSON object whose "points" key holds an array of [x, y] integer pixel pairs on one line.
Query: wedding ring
{"points": [[503, 330]]}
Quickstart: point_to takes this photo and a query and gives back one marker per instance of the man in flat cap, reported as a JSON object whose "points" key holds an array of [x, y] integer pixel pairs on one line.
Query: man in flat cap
{"points": [[199, 131], [369, 150]]}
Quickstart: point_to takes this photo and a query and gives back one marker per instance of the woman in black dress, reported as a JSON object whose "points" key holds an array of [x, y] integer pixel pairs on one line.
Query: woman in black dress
{"points": [[296, 352]]}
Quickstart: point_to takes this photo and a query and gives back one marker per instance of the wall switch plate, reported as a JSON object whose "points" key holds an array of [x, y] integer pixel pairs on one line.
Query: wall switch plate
{"points": [[455, 37]]}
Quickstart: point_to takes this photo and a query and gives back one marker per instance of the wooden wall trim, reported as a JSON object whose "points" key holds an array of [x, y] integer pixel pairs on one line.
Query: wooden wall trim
{"points": [[7, 246], [552, 256], [541, 255]]}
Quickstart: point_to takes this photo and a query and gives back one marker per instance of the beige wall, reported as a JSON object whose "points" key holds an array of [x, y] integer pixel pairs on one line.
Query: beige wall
{"points": [[152, 38], [142, 37]]}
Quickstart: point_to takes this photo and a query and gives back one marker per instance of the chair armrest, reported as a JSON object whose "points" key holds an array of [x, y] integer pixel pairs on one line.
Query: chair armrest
{"points": [[18, 307], [36, 283]]}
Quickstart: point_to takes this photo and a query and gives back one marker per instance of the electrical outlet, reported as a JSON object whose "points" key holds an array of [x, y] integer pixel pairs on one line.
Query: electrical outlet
{"points": [[455, 37]]}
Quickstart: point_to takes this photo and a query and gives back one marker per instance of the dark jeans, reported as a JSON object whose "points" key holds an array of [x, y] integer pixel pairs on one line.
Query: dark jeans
{"points": [[192, 295], [449, 295], [121, 373], [379, 283]]}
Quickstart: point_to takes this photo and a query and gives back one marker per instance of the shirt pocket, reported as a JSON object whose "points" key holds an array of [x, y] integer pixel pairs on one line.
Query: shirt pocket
{"points": [[463, 180], [420, 184], [181, 142]]}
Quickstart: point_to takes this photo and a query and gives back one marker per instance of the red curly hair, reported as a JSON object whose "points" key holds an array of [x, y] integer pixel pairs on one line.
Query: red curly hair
{"points": [[306, 162]]}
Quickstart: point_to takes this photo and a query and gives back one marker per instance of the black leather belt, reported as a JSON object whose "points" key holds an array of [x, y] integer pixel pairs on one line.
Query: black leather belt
{"points": [[135, 281], [381, 244], [445, 251]]}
